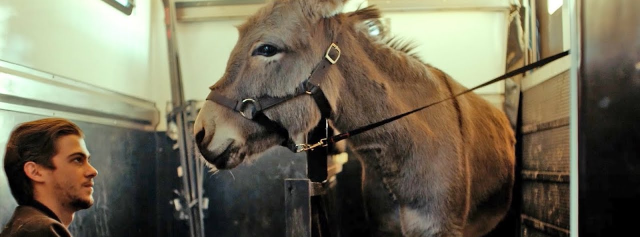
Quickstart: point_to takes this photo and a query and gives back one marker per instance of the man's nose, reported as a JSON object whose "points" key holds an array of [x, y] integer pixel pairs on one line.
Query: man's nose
{"points": [[92, 172]]}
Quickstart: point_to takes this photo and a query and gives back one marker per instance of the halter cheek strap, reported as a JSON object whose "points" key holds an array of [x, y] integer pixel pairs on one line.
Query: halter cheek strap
{"points": [[253, 108]]}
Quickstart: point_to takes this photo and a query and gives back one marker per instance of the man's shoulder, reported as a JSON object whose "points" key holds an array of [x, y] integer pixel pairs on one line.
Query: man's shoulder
{"points": [[29, 221], [27, 215]]}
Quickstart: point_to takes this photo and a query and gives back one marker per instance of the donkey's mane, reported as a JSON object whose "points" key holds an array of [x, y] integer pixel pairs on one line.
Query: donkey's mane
{"points": [[403, 45], [372, 13]]}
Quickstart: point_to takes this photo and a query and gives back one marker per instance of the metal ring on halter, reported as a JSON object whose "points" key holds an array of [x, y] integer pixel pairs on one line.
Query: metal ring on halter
{"points": [[242, 107], [328, 57], [310, 88]]}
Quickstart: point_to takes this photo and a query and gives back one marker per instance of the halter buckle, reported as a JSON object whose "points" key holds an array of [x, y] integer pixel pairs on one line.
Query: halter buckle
{"points": [[328, 57], [308, 147], [243, 106]]}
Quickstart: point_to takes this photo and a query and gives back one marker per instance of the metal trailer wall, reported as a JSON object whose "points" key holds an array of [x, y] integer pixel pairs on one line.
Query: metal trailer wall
{"points": [[119, 132], [580, 154], [542, 190]]}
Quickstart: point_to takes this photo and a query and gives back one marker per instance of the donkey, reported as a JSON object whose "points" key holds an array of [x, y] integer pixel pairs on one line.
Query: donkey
{"points": [[445, 171]]}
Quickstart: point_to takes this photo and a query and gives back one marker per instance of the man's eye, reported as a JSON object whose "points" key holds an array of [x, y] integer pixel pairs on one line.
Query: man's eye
{"points": [[265, 50], [78, 160]]}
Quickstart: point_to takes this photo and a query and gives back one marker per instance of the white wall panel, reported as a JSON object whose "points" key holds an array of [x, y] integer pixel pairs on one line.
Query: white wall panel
{"points": [[91, 42], [468, 45], [86, 40]]}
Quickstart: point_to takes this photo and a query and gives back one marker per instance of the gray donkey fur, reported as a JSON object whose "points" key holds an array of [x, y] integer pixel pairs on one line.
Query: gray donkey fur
{"points": [[445, 171]]}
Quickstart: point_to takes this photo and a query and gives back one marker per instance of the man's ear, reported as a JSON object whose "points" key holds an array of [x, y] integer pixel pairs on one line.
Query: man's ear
{"points": [[34, 171], [321, 8]]}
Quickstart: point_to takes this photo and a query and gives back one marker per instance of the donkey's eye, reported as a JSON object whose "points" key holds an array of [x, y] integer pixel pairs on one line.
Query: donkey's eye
{"points": [[265, 50]]}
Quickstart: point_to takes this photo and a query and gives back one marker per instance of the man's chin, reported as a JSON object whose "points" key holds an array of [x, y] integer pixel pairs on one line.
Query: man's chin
{"points": [[81, 204]]}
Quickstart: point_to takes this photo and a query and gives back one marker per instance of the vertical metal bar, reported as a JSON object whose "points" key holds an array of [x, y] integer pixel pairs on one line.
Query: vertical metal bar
{"points": [[177, 92], [189, 182], [195, 167], [574, 11], [297, 196]]}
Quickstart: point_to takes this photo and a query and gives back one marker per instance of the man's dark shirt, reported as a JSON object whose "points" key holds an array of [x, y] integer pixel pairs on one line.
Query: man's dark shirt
{"points": [[34, 219]]}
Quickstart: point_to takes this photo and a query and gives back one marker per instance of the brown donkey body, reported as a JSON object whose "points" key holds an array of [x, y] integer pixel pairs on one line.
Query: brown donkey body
{"points": [[445, 171]]}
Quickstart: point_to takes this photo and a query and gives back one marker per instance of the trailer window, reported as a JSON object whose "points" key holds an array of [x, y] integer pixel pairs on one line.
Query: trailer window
{"points": [[551, 23], [125, 6]]}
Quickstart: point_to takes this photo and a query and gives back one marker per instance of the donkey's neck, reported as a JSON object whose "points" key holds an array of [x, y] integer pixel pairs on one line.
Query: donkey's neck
{"points": [[380, 82]]}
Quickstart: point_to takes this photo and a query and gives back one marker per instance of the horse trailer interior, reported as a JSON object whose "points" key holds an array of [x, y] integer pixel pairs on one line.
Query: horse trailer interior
{"points": [[144, 81]]}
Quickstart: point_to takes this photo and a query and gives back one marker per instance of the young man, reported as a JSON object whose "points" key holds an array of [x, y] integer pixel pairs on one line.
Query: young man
{"points": [[47, 166]]}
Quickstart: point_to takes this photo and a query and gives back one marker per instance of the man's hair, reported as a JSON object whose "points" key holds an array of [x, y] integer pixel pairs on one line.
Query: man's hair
{"points": [[33, 141]]}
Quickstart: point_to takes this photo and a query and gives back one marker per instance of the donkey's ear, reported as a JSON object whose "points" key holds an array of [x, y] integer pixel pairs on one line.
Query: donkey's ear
{"points": [[322, 8]]}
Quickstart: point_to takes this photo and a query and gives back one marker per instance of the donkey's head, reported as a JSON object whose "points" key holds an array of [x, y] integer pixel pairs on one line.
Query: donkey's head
{"points": [[277, 49]]}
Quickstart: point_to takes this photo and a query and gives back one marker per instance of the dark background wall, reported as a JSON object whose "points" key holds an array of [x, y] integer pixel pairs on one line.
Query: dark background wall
{"points": [[249, 199]]}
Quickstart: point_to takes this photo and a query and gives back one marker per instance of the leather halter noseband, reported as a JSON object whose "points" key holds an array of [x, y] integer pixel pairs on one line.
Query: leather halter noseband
{"points": [[253, 108]]}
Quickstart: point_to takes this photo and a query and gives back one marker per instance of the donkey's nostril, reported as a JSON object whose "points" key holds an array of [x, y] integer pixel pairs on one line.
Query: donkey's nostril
{"points": [[199, 136]]}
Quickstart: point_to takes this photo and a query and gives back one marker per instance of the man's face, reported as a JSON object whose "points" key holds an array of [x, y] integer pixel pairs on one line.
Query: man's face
{"points": [[72, 179]]}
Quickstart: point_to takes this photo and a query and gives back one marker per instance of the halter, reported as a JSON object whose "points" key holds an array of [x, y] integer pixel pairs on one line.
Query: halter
{"points": [[253, 108]]}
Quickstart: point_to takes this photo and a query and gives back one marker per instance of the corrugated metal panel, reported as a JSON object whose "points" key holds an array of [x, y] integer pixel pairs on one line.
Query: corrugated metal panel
{"points": [[545, 161], [535, 228], [547, 101], [547, 150], [547, 202]]}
